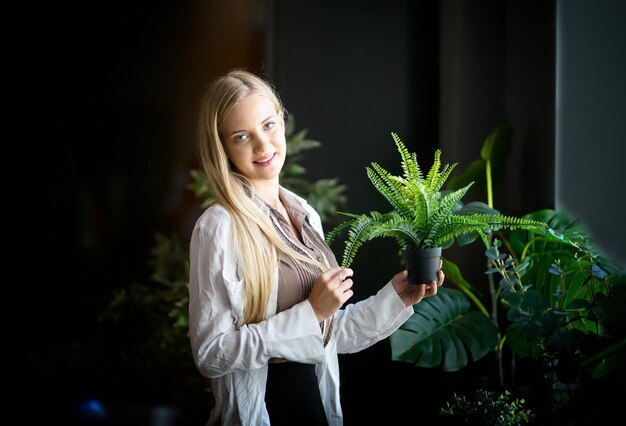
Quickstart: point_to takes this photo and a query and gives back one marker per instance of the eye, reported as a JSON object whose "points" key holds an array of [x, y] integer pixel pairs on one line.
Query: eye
{"points": [[240, 138], [270, 125]]}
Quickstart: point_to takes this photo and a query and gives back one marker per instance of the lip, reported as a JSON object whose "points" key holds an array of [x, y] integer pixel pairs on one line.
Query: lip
{"points": [[265, 161]]}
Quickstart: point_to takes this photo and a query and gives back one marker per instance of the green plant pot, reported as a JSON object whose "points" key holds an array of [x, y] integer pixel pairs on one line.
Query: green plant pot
{"points": [[422, 264]]}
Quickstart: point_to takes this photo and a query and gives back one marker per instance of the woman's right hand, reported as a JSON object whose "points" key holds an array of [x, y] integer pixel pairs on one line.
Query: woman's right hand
{"points": [[330, 291]]}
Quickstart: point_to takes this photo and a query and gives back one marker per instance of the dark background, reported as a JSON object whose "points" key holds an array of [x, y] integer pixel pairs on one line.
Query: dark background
{"points": [[111, 92]]}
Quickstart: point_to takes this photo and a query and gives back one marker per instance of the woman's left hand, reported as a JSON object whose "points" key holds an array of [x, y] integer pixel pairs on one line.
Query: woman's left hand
{"points": [[411, 293]]}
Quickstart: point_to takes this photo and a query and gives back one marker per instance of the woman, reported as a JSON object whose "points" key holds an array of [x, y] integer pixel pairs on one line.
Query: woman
{"points": [[265, 290]]}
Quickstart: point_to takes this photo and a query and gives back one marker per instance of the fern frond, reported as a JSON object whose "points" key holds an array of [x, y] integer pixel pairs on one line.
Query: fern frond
{"points": [[419, 177], [445, 207], [443, 176], [409, 165], [456, 225], [352, 215], [450, 231], [405, 233], [433, 173], [330, 236], [390, 188], [356, 233], [422, 204]]}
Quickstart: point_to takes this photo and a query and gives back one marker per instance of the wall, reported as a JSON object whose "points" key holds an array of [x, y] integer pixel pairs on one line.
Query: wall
{"points": [[497, 63], [590, 113]]}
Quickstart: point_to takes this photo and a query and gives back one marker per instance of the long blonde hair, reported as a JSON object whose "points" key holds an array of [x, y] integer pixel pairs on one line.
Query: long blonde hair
{"points": [[256, 239]]}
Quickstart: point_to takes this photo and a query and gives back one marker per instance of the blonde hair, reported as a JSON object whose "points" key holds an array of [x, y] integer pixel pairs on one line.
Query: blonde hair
{"points": [[256, 239]]}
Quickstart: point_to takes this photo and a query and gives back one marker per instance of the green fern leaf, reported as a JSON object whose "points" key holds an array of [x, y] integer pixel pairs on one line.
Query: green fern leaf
{"points": [[443, 176], [433, 173], [445, 207], [356, 238], [390, 188], [409, 164], [330, 236]]}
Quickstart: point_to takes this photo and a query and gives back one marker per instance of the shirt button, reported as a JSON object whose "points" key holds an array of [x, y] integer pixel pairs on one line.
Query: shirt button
{"points": [[319, 258]]}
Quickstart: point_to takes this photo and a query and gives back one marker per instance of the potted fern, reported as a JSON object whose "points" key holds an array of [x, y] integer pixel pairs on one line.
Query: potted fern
{"points": [[423, 220]]}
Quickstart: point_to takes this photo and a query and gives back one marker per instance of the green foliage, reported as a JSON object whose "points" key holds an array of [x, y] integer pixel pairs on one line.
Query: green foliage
{"points": [[487, 409], [423, 216], [161, 308], [443, 332], [563, 299], [564, 306]]}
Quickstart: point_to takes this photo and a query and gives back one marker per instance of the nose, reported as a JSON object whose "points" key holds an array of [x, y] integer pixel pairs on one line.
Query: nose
{"points": [[262, 144]]}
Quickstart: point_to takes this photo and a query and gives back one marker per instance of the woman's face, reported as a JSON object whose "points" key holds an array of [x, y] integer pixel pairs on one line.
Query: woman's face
{"points": [[253, 135]]}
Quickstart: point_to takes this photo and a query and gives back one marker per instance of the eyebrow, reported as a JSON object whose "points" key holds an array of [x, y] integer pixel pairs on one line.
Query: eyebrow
{"points": [[262, 121]]}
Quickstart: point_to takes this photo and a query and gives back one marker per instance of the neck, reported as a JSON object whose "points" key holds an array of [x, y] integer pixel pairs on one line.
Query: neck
{"points": [[268, 191]]}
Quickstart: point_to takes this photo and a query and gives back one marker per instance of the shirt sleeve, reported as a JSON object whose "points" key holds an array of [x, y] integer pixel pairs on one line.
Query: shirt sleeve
{"points": [[360, 325], [216, 297]]}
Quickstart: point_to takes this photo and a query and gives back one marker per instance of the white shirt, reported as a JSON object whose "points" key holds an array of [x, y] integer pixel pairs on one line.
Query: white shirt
{"points": [[235, 355]]}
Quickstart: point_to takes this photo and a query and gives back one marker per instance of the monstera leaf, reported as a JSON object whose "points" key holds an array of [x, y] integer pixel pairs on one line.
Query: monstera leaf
{"points": [[442, 332]]}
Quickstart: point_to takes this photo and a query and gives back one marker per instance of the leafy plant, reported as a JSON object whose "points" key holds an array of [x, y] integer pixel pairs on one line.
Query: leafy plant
{"points": [[565, 307], [487, 409], [422, 215], [444, 333], [563, 302]]}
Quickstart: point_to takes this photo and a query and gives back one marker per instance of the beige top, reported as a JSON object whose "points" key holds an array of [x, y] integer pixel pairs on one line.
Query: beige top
{"points": [[295, 278]]}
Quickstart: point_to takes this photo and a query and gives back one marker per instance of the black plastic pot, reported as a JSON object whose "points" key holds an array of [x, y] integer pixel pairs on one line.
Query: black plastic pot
{"points": [[422, 264]]}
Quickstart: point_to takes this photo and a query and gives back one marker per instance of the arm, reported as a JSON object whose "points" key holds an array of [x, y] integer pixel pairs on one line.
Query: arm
{"points": [[216, 296], [367, 322], [360, 325]]}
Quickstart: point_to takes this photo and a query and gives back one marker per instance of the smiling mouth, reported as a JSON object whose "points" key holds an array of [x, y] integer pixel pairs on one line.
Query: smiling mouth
{"points": [[266, 161]]}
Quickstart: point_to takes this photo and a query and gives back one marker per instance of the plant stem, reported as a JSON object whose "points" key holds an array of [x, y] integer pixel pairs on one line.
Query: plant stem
{"points": [[494, 318], [492, 287], [489, 184]]}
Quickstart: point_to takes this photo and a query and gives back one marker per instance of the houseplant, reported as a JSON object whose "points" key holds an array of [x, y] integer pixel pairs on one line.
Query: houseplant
{"points": [[486, 408], [424, 219], [559, 310], [565, 305]]}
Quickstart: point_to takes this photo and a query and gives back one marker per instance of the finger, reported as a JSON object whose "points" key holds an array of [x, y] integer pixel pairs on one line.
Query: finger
{"points": [[346, 295], [433, 289], [441, 277], [343, 291], [345, 285], [330, 275], [344, 274], [421, 293]]}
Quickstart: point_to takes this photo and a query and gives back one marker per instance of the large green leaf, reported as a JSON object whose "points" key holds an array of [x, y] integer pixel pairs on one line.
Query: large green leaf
{"points": [[443, 332]]}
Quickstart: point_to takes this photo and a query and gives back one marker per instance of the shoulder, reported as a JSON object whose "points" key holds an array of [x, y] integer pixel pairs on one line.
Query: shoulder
{"points": [[214, 220]]}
